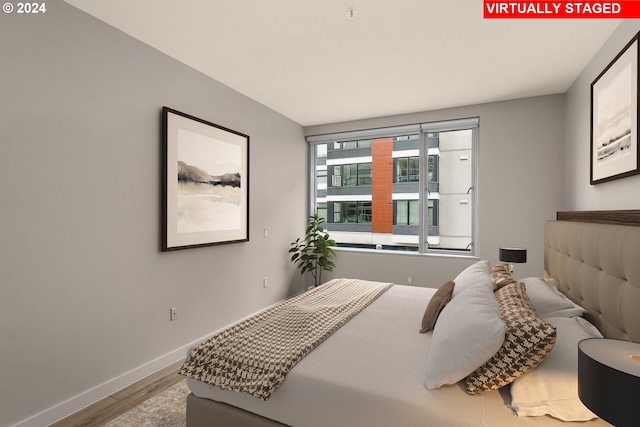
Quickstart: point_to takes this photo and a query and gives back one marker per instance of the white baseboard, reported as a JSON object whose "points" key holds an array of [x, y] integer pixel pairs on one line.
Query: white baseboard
{"points": [[95, 394], [70, 406]]}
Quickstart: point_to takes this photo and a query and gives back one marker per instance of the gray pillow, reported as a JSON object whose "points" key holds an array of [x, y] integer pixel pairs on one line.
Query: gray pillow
{"points": [[548, 300], [471, 276]]}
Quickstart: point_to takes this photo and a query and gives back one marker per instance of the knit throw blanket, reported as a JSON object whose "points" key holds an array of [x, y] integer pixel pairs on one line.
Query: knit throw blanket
{"points": [[254, 355]]}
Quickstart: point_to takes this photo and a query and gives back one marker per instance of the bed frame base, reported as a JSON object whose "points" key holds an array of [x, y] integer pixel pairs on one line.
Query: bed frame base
{"points": [[208, 413]]}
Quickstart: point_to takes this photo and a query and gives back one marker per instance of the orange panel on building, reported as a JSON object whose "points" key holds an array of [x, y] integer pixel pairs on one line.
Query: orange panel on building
{"points": [[382, 185]]}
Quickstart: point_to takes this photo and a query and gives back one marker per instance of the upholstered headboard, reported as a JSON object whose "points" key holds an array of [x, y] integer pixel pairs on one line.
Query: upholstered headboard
{"points": [[595, 258]]}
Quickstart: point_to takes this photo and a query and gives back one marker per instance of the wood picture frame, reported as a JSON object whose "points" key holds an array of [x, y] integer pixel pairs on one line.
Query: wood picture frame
{"points": [[614, 118], [205, 183]]}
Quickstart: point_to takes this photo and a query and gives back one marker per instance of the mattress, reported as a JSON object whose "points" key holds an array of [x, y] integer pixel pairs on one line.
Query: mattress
{"points": [[371, 372]]}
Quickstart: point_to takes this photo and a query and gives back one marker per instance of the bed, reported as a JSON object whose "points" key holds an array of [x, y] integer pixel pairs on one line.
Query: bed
{"points": [[378, 370]]}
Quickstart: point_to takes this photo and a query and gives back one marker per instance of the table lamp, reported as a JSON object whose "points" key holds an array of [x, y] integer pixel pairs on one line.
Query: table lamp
{"points": [[511, 255]]}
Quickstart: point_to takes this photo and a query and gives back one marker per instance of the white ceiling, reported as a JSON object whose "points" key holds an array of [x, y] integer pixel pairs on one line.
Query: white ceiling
{"points": [[308, 61]]}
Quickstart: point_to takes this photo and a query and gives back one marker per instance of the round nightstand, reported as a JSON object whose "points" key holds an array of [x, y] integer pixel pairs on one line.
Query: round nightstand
{"points": [[609, 379]]}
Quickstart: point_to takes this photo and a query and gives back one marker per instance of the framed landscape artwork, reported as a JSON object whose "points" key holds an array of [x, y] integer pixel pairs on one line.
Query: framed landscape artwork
{"points": [[205, 183], [614, 118]]}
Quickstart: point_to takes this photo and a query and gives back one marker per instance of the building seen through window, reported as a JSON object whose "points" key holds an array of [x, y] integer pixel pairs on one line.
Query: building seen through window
{"points": [[411, 188]]}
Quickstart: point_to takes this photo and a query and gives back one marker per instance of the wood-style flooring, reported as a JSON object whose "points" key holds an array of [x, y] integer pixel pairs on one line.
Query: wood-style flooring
{"points": [[120, 402]]}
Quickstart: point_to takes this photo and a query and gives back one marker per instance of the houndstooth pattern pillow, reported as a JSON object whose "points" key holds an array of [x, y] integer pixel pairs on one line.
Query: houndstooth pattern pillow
{"points": [[527, 342], [502, 274]]}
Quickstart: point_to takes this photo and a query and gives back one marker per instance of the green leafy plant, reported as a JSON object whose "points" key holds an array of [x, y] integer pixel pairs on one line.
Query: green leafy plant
{"points": [[313, 253]]}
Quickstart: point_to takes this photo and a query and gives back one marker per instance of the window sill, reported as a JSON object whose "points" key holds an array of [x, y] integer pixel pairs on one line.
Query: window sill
{"points": [[407, 253]]}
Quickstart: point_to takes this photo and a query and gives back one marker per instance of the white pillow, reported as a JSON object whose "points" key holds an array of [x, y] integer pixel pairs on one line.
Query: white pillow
{"points": [[469, 331], [474, 274], [552, 387], [548, 300]]}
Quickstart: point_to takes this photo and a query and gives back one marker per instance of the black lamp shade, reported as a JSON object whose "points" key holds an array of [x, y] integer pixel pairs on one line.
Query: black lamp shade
{"points": [[609, 380], [517, 255]]}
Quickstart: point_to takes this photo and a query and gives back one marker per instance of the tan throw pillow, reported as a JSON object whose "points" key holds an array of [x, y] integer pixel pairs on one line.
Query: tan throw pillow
{"points": [[502, 274], [435, 306], [527, 342]]}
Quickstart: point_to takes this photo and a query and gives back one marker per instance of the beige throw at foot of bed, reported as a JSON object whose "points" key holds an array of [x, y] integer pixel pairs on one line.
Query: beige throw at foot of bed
{"points": [[254, 355]]}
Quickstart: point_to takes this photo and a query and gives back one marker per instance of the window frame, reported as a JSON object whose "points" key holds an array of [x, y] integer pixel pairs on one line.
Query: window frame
{"points": [[423, 129]]}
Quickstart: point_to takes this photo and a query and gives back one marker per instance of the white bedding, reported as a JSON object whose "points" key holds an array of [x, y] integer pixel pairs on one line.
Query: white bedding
{"points": [[371, 373]]}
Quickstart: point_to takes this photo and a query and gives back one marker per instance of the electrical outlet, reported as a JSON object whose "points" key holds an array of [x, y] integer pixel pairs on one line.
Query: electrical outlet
{"points": [[265, 283], [173, 313], [410, 280]]}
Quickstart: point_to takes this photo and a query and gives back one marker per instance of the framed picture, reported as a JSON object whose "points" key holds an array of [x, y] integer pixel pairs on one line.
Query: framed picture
{"points": [[614, 118], [205, 183]]}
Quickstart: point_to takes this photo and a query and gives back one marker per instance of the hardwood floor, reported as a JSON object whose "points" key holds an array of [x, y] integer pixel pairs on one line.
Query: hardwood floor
{"points": [[120, 402]]}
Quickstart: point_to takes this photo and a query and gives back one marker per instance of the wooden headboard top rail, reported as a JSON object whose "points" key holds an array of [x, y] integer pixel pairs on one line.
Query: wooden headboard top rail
{"points": [[618, 217]]}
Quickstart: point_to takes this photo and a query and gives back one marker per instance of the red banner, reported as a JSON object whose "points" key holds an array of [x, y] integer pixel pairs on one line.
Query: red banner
{"points": [[561, 9]]}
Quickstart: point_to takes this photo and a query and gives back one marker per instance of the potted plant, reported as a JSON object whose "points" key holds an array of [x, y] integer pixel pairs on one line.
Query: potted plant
{"points": [[313, 253]]}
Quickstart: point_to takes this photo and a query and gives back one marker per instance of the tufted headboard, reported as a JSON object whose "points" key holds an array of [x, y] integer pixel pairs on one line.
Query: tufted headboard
{"points": [[595, 258]]}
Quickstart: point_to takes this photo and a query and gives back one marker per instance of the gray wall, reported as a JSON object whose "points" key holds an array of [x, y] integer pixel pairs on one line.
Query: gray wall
{"points": [[578, 193], [520, 168], [85, 291]]}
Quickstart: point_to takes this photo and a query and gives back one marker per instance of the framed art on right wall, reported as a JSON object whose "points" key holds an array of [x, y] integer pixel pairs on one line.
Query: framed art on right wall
{"points": [[614, 118]]}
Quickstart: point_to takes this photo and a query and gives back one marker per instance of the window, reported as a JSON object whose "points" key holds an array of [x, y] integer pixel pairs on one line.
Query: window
{"points": [[407, 169], [407, 212], [350, 175], [410, 188], [322, 210], [350, 145], [337, 213], [354, 212]]}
